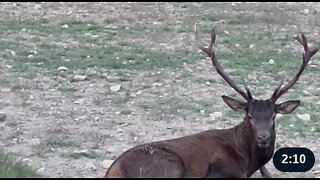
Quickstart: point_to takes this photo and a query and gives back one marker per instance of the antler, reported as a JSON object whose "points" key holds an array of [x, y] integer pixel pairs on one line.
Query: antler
{"points": [[211, 53], [306, 56]]}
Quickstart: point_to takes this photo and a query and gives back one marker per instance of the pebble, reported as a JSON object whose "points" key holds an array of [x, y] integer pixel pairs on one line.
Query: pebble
{"points": [[79, 78], [115, 88], [62, 68], [304, 117], [90, 166]]}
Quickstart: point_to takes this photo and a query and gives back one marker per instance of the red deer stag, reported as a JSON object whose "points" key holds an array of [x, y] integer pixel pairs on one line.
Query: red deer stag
{"points": [[236, 152]]}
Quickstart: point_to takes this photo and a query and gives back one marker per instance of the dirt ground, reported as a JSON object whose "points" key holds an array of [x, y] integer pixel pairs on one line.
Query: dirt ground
{"points": [[95, 127]]}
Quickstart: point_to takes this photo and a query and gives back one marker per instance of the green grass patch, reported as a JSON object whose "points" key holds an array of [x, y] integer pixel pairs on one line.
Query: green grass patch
{"points": [[229, 113], [10, 168], [36, 27], [57, 142], [50, 57], [37, 46]]}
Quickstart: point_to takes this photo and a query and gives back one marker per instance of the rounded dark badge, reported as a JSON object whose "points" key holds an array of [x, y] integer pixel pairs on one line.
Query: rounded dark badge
{"points": [[295, 159]]}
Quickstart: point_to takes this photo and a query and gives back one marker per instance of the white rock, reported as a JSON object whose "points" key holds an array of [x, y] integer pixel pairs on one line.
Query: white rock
{"points": [[41, 170], [115, 88], [138, 92], [26, 160], [304, 117], [66, 26], [90, 166], [62, 68], [9, 66], [202, 111], [82, 151], [106, 163], [34, 141], [37, 6], [156, 84], [79, 101], [306, 92], [156, 23], [306, 11], [34, 51], [271, 61], [135, 139], [79, 78]]}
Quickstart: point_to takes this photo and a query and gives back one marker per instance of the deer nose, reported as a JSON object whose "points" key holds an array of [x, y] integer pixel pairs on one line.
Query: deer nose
{"points": [[264, 136]]}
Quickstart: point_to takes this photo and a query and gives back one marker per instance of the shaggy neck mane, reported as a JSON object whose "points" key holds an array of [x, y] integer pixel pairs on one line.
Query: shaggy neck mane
{"points": [[244, 135]]}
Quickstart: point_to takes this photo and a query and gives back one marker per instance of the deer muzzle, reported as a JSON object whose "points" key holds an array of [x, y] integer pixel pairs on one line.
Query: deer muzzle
{"points": [[263, 139]]}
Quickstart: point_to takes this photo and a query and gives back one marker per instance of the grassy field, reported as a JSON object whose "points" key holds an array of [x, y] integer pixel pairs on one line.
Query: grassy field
{"points": [[168, 88]]}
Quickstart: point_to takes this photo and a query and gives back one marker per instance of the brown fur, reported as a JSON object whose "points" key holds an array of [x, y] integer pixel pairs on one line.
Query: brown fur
{"points": [[115, 171], [214, 153]]}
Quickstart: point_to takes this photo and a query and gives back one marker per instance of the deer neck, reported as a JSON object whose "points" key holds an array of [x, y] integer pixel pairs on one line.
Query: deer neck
{"points": [[245, 138]]}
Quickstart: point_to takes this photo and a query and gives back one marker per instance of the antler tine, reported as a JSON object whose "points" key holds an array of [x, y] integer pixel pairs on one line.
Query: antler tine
{"points": [[213, 39], [206, 50], [304, 43], [211, 53], [276, 91], [306, 56], [245, 84]]}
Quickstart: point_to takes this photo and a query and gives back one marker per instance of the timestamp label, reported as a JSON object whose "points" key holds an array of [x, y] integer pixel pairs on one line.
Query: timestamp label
{"points": [[293, 159]]}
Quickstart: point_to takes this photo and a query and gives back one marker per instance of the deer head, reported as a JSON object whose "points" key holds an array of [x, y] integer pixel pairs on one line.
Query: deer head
{"points": [[260, 113]]}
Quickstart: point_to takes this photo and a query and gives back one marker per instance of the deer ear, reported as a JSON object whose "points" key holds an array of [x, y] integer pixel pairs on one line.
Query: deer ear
{"points": [[287, 107], [234, 104]]}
